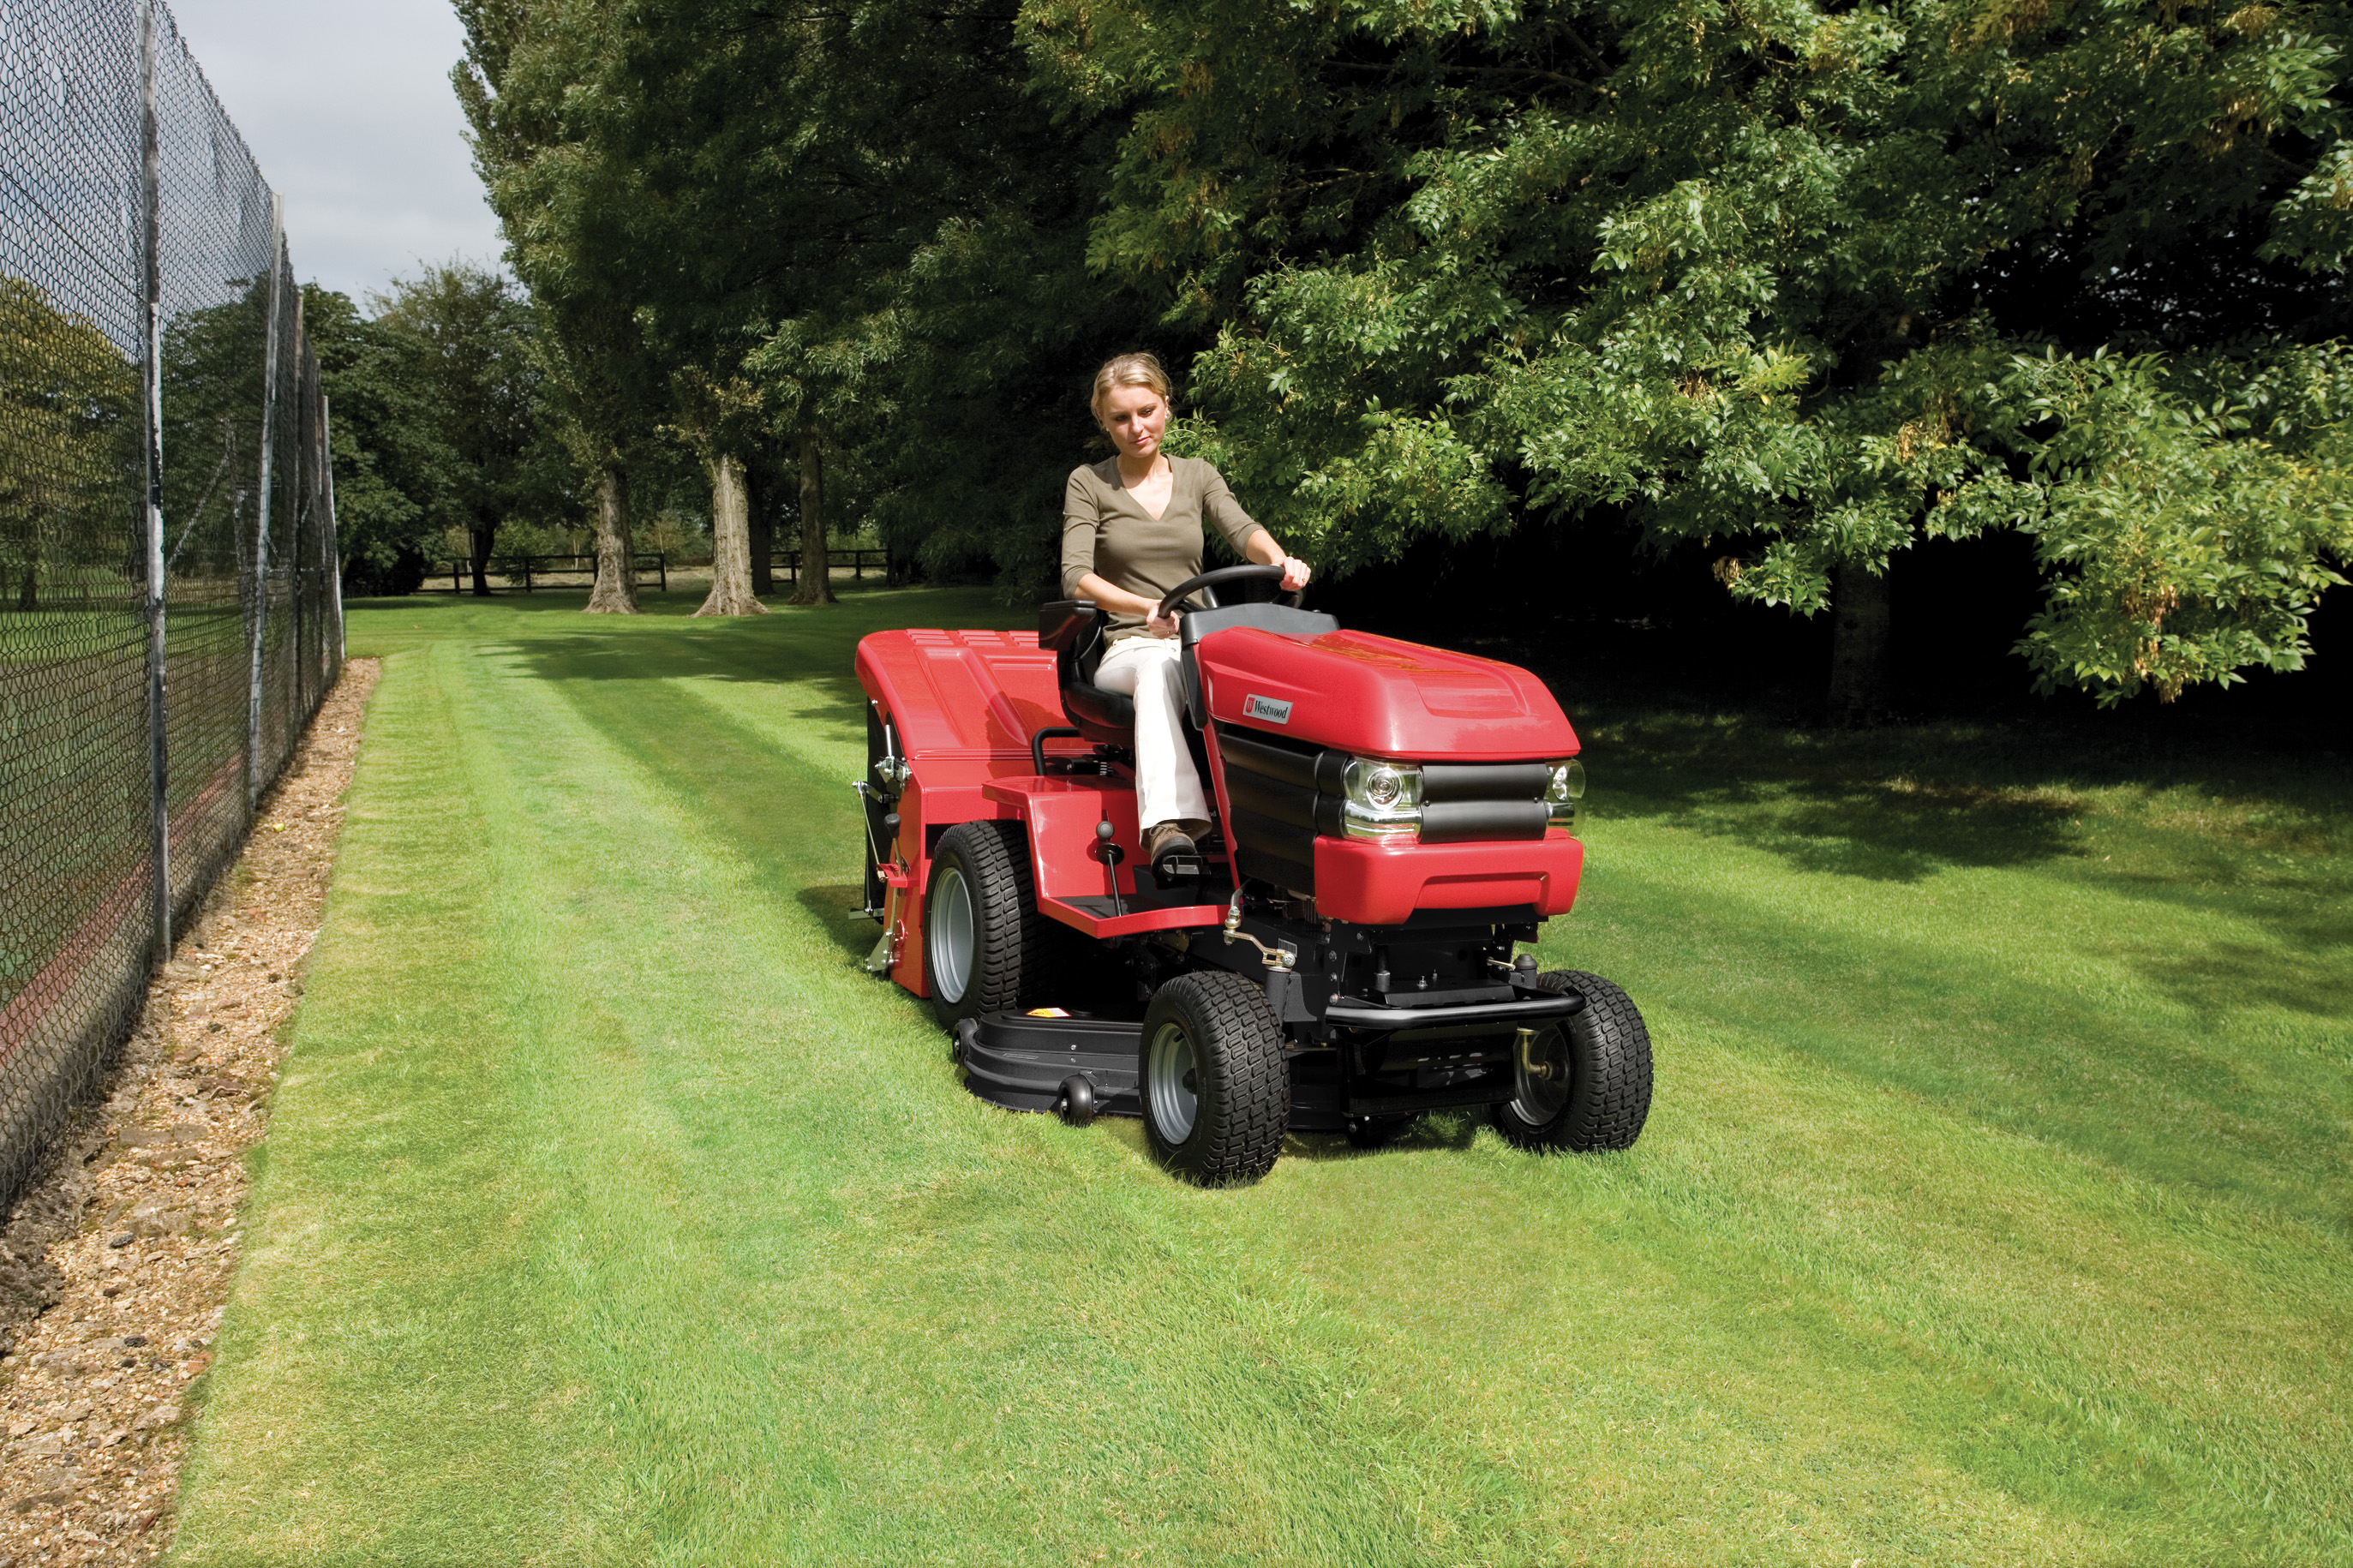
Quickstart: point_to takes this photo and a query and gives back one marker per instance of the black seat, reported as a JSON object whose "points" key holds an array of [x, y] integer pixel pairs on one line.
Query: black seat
{"points": [[1073, 628], [1101, 715]]}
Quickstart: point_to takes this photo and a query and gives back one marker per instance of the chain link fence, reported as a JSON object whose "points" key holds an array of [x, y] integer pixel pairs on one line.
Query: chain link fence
{"points": [[169, 613]]}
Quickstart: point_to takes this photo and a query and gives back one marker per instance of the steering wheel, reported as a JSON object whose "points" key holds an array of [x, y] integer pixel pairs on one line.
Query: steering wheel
{"points": [[1209, 580]]}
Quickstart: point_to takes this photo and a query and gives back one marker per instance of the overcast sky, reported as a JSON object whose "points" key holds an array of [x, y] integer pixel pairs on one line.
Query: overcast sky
{"points": [[347, 107]]}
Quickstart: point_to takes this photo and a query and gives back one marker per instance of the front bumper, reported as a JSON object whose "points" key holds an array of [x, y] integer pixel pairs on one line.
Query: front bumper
{"points": [[1375, 883]]}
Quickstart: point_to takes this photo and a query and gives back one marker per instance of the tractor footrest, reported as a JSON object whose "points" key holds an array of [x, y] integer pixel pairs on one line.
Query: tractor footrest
{"points": [[1021, 1060]]}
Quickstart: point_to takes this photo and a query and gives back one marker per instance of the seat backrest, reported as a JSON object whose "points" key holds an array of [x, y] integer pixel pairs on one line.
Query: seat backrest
{"points": [[1073, 628]]}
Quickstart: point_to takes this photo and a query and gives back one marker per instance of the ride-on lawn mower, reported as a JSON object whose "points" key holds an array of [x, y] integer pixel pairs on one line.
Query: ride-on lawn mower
{"points": [[1338, 956]]}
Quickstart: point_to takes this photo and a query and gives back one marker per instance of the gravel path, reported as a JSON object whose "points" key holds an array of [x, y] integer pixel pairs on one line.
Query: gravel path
{"points": [[115, 1263]]}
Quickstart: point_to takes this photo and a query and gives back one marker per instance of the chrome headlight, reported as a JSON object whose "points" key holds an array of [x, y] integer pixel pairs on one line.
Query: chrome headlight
{"points": [[1563, 790], [1381, 799]]}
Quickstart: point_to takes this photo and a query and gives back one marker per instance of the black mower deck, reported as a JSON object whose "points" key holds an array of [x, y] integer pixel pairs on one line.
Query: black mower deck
{"points": [[1034, 1061], [1024, 1062]]}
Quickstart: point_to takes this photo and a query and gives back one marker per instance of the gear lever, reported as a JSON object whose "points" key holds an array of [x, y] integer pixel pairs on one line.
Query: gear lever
{"points": [[1109, 852]]}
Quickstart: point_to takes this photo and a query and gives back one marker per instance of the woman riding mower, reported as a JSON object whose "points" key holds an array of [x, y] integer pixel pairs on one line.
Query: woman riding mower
{"points": [[1132, 530]]}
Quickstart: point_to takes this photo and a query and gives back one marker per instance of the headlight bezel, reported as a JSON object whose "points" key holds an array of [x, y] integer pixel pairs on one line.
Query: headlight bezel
{"points": [[1381, 798], [1564, 790]]}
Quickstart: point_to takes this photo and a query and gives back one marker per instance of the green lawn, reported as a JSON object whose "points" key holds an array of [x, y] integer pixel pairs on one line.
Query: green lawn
{"points": [[1994, 1207]]}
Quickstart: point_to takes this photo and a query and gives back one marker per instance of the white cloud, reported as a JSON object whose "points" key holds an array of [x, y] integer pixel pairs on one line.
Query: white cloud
{"points": [[348, 109]]}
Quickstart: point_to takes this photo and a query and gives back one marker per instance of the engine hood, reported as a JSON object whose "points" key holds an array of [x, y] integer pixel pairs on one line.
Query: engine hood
{"points": [[1379, 696]]}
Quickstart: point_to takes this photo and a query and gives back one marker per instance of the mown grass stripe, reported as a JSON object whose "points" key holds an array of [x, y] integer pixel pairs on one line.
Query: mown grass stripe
{"points": [[680, 1243]]}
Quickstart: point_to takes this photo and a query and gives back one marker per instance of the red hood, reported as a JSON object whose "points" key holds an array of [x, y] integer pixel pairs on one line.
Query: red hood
{"points": [[1378, 696]]}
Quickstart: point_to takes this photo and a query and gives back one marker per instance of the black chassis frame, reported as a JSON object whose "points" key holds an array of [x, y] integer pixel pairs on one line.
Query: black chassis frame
{"points": [[1378, 1022]]}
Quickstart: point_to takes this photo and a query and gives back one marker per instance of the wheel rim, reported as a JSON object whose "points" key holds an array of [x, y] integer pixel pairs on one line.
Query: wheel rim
{"points": [[1172, 1078], [1543, 1099], [948, 934]]}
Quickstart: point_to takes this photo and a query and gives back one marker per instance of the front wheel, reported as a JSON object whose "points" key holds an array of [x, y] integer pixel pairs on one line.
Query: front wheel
{"points": [[1216, 1089], [1585, 1085]]}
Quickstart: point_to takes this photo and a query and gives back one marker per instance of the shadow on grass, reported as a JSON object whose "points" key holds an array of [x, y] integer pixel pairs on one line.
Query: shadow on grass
{"points": [[800, 645], [2225, 976], [2243, 840], [731, 654], [835, 907], [1841, 815], [1433, 1132]]}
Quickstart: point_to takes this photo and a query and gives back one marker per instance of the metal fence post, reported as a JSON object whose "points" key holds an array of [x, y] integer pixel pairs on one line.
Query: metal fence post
{"points": [[334, 539], [151, 346], [260, 617], [303, 480]]}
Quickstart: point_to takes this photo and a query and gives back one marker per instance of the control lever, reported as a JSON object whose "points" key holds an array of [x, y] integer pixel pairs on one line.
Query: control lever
{"points": [[1108, 851]]}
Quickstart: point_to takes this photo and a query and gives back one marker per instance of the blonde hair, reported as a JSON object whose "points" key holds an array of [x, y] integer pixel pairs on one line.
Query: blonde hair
{"points": [[1127, 369]]}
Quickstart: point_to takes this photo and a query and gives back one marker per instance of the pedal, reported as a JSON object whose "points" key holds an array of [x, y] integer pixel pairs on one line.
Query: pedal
{"points": [[1171, 869]]}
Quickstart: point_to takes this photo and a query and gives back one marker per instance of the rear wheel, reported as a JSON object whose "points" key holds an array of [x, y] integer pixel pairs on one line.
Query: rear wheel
{"points": [[1216, 1089], [1590, 1086], [982, 930]]}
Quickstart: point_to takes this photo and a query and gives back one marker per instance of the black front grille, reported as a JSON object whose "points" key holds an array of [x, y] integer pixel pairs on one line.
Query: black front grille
{"points": [[1285, 793]]}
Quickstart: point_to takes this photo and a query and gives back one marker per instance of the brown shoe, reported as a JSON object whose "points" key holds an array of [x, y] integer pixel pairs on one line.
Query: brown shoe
{"points": [[1163, 839]]}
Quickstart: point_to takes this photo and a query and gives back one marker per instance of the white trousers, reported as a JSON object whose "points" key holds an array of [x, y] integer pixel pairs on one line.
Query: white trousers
{"points": [[1166, 787]]}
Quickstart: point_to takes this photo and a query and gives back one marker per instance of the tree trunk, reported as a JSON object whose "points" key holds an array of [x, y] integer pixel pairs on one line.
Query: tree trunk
{"points": [[28, 597], [1859, 680], [482, 540], [615, 592], [731, 544], [817, 572], [765, 490]]}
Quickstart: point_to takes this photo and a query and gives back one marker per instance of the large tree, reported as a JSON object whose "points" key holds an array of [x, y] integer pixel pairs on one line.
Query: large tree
{"points": [[388, 454], [1803, 282], [851, 232], [577, 137], [533, 85], [462, 335]]}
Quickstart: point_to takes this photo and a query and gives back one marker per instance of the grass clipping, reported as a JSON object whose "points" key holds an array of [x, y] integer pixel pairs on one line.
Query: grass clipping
{"points": [[126, 1242]]}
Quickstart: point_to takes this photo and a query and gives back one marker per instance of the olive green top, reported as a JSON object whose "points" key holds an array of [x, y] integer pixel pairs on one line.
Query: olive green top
{"points": [[1107, 532]]}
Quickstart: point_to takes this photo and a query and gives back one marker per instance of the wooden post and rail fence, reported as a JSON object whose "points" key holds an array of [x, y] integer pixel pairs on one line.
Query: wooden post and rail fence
{"points": [[529, 573]]}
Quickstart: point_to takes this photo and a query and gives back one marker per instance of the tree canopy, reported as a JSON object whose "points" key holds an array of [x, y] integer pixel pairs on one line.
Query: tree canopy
{"points": [[1804, 284]]}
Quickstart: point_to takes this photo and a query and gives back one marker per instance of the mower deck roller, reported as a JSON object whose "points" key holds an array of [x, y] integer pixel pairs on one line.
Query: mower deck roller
{"points": [[1393, 823]]}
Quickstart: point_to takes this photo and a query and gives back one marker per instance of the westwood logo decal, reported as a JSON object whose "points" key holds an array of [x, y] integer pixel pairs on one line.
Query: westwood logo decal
{"points": [[1266, 708]]}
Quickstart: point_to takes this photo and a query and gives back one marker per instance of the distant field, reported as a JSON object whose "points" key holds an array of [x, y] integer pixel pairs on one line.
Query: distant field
{"points": [[1995, 1207]]}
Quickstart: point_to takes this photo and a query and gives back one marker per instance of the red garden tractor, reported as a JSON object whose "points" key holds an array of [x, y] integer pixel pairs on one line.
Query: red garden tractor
{"points": [[1339, 956]]}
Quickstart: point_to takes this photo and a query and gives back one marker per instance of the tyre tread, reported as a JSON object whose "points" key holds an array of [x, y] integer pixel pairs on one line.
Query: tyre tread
{"points": [[1010, 935], [1609, 1104], [1245, 1095]]}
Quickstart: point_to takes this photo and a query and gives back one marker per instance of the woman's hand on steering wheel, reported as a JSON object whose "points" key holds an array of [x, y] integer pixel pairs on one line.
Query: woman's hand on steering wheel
{"points": [[1296, 574], [1165, 613]]}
